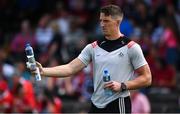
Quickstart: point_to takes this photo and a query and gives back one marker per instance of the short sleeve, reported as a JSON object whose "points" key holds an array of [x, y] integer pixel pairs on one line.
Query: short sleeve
{"points": [[86, 54], [136, 56]]}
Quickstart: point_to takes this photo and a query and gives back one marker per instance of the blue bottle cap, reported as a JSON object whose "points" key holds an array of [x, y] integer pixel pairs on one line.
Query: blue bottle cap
{"points": [[106, 71], [28, 44]]}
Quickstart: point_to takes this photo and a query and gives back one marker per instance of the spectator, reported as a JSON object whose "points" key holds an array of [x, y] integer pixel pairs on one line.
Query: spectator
{"points": [[6, 98], [56, 45], [24, 95], [62, 18], [87, 87], [140, 103], [72, 39], [21, 104], [51, 103], [169, 39], [163, 74], [158, 31], [26, 35], [126, 27], [44, 33], [21, 69]]}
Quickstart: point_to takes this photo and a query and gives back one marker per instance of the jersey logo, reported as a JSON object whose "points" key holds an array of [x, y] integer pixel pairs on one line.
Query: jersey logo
{"points": [[121, 54], [94, 44], [130, 44], [122, 42], [102, 42]]}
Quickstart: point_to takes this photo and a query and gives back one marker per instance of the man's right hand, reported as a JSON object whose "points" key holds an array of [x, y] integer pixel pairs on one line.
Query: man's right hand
{"points": [[40, 68], [33, 71]]}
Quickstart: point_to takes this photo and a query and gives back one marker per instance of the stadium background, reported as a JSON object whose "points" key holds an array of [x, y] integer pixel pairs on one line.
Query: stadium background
{"points": [[59, 29]]}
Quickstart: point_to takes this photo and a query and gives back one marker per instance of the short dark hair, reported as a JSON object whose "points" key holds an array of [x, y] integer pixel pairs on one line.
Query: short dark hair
{"points": [[112, 10]]}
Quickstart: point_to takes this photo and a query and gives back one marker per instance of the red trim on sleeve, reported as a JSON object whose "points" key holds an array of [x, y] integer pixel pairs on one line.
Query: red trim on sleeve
{"points": [[130, 44], [94, 44]]}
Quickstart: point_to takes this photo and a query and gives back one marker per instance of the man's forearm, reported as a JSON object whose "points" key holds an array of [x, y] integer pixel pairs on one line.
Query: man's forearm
{"points": [[139, 82], [58, 71], [66, 70], [143, 79]]}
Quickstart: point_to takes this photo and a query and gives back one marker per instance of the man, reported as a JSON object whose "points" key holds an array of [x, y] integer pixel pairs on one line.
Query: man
{"points": [[116, 53]]}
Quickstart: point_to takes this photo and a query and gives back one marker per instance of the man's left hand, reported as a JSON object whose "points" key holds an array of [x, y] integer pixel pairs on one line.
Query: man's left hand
{"points": [[113, 85]]}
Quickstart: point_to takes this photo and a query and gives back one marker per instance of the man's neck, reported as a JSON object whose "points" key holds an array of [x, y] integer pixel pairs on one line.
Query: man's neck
{"points": [[114, 36]]}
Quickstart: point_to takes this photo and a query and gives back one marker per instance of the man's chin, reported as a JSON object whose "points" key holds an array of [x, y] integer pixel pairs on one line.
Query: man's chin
{"points": [[106, 35]]}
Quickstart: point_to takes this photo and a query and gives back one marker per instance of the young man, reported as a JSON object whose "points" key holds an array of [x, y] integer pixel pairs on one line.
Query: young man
{"points": [[116, 53]]}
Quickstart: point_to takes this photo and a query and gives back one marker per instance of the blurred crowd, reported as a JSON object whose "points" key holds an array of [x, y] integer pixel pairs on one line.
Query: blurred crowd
{"points": [[59, 29]]}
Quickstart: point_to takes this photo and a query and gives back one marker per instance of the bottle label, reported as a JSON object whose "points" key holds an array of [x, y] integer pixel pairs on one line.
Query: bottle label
{"points": [[33, 67], [29, 52], [106, 78], [31, 60], [37, 76]]}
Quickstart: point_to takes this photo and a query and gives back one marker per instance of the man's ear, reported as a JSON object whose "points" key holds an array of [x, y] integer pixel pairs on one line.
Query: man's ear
{"points": [[118, 22]]}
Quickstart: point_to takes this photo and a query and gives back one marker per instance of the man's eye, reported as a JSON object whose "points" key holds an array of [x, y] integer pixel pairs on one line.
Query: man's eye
{"points": [[106, 20]]}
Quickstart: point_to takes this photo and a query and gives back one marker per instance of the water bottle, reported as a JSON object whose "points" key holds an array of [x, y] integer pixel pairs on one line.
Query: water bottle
{"points": [[31, 61], [107, 78]]}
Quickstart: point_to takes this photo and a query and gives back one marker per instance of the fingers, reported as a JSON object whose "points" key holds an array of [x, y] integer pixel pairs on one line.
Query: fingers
{"points": [[30, 65], [114, 86], [33, 67], [108, 84], [38, 64]]}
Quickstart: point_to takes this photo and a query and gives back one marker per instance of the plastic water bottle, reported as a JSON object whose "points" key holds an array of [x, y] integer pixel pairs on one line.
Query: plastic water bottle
{"points": [[107, 78], [31, 61]]}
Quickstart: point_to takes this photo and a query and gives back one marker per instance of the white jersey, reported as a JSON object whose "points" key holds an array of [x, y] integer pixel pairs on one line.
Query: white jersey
{"points": [[120, 62]]}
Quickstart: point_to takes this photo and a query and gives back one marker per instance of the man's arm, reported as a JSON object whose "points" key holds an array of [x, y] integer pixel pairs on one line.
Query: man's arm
{"points": [[66, 70], [143, 79], [141, 67]]}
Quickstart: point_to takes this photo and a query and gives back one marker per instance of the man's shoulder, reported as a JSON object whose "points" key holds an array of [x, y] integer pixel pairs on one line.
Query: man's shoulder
{"points": [[94, 44], [131, 44]]}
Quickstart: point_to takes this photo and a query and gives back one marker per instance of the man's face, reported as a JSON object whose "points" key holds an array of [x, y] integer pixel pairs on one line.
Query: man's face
{"points": [[108, 24]]}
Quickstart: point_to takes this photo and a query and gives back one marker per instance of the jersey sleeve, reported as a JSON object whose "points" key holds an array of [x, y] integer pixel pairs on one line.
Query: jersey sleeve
{"points": [[136, 56], [86, 54]]}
